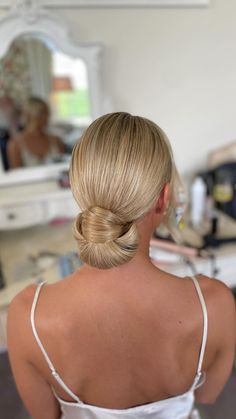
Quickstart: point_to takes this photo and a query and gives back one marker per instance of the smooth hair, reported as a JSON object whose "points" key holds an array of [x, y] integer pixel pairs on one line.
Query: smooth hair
{"points": [[118, 170]]}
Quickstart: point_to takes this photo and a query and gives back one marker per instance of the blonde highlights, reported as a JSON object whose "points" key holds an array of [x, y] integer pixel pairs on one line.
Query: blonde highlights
{"points": [[118, 170]]}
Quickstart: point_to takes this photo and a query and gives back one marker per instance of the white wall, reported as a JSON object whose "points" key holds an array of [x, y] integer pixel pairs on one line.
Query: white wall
{"points": [[175, 66]]}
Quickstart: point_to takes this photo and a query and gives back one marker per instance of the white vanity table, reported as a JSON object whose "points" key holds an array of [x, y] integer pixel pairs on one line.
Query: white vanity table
{"points": [[46, 201], [32, 203]]}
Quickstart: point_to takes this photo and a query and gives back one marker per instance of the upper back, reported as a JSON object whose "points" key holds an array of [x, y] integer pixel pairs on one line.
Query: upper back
{"points": [[122, 345]]}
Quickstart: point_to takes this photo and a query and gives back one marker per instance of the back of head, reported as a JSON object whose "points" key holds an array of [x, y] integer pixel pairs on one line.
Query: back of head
{"points": [[117, 172]]}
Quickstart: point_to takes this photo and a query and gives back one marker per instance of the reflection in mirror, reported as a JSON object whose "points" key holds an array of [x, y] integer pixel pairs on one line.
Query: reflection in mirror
{"points": [[44, 103]]}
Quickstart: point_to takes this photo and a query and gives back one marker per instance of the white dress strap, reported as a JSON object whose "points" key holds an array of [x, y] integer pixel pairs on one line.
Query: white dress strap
{"points": [[48, 360], [200, 375]]}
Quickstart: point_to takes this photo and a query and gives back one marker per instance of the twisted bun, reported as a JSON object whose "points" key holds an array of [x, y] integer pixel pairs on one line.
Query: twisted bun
{"points": [[104, 240]]}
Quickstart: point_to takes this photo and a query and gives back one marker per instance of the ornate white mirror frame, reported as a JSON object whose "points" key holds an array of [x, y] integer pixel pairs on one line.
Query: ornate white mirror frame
{"points": [[27, 17]]}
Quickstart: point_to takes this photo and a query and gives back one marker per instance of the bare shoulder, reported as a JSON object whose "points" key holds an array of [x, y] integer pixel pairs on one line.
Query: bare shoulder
{"points": [[19, 333], [19, 309], [55, 139], [221, 338], [216, 292], [23, 298], [14, 152], [221, 308]]}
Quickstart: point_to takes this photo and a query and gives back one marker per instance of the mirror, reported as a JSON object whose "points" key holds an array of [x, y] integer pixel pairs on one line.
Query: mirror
{"points": [[42, 70], [33, 69]]}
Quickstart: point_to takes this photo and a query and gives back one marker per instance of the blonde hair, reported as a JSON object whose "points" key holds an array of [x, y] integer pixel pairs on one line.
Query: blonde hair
{"points": [[118, 170], [34, 107]]}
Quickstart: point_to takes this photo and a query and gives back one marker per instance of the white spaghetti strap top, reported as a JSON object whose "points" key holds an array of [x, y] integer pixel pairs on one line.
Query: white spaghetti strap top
{"points": [[201, 376], [48, 360], [178, 407]]}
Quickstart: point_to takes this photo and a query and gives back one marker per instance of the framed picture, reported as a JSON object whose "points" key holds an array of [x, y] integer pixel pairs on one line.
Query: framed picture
{"points": [[111, 3]]}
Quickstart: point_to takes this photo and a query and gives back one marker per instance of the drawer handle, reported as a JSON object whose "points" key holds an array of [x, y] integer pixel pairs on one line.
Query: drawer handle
{"points": [[11, 216]]}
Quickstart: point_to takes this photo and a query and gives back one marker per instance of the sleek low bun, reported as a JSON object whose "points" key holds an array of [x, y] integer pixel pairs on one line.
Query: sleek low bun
{"points": [[118, 170], [104, 240]]}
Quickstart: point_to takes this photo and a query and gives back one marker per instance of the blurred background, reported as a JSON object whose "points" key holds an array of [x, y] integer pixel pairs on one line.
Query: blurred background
{"points": [[64, 63]]}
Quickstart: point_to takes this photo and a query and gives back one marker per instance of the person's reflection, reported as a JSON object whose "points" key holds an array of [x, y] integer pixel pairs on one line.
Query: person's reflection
{"points": [[34, 146], [10, 125]]}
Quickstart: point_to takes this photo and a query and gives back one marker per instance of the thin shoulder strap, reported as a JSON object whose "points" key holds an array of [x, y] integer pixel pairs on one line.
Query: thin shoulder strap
{"points": [[199, 374], [48, 360]]}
